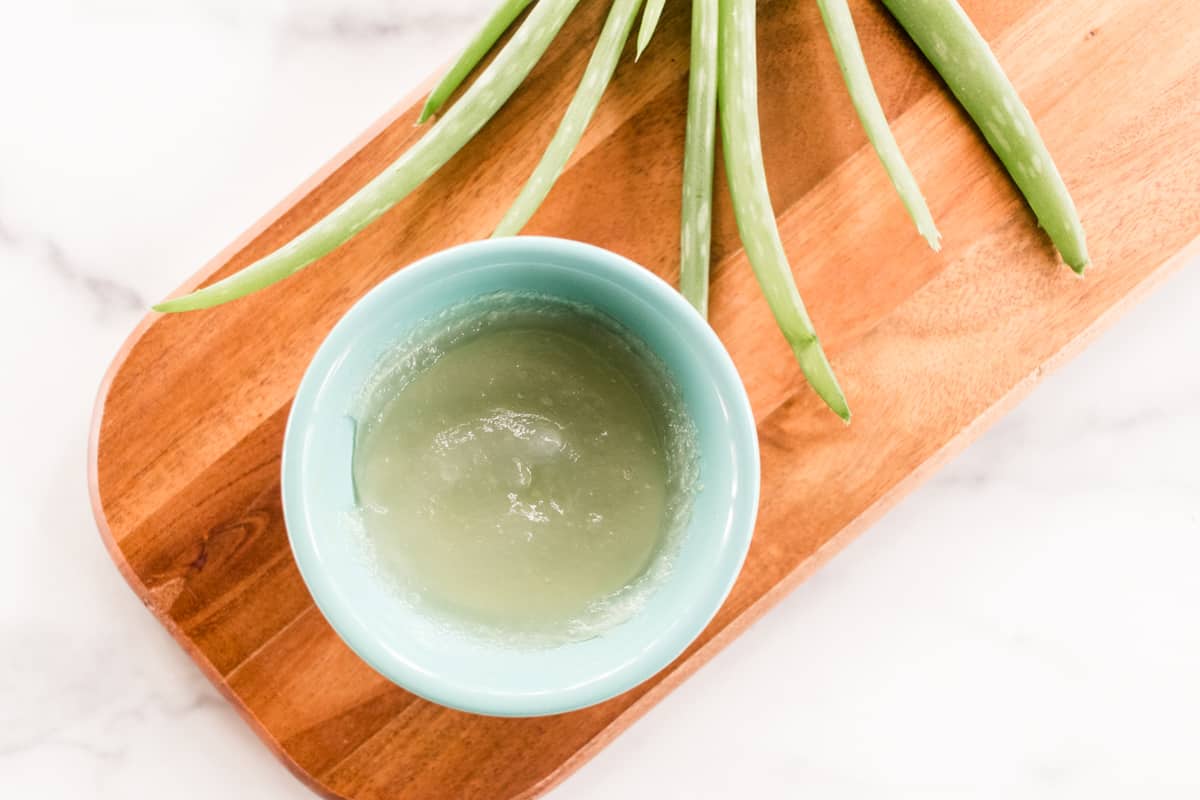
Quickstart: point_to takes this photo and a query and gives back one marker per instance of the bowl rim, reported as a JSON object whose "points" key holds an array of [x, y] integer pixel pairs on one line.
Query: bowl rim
{"points": [[373, 646]]}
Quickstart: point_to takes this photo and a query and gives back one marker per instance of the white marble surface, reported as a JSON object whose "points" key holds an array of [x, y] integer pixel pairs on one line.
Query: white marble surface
{"points": [[1027, 624]]}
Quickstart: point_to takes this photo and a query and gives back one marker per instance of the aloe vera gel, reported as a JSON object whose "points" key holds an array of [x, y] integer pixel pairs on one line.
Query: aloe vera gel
{"points": [[524, 466]]}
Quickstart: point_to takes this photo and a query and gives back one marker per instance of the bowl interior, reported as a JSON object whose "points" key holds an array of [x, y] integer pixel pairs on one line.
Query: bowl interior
{"points": [[474, 674]]}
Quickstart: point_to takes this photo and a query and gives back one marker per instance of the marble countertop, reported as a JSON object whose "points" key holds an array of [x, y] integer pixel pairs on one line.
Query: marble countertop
{"points": [[1026, 624]]}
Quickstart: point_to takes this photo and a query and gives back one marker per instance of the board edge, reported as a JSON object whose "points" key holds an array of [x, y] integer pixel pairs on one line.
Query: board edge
{"points": [[407, 104]]}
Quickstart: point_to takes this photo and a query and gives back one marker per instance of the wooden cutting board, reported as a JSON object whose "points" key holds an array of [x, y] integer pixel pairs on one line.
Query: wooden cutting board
{"points": [[931, 348]]}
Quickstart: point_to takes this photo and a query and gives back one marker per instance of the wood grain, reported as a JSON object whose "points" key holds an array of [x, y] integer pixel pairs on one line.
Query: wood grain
{"points": [[930, 347]]}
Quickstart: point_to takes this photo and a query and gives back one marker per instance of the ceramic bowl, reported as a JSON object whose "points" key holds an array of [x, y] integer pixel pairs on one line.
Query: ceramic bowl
{"points": [[476, 674]]}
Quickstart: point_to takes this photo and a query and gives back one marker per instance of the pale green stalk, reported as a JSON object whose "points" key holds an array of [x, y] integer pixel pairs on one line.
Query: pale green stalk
{"points": [[447, 136], [650, 17], [952, 44], [695, 235], [840, 26], [738, 98], [595, 80], [479, 46]]}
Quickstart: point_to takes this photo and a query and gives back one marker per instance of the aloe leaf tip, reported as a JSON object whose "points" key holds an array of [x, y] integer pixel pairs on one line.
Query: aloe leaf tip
{"points": [[933, 236], [650, 16]]}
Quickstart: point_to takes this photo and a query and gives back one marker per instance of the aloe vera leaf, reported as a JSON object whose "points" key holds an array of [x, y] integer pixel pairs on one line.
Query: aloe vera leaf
{"points": [[954, 46], [840, 26], [695, 232], [738, 110], [650, 17], [480, 45], [447, 136], [596, 76]]}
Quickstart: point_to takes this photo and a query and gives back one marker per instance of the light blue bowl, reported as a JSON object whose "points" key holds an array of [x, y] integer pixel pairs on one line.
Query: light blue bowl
{"points": [[448, 666]]}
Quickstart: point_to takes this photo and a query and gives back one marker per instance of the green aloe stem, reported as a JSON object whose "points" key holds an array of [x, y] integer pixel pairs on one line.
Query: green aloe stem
{"points": [[447, 136], [954, 46], [480, 45], [695, 236], [650, 16], [738, 108], [596, 76], [840, 26]]}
